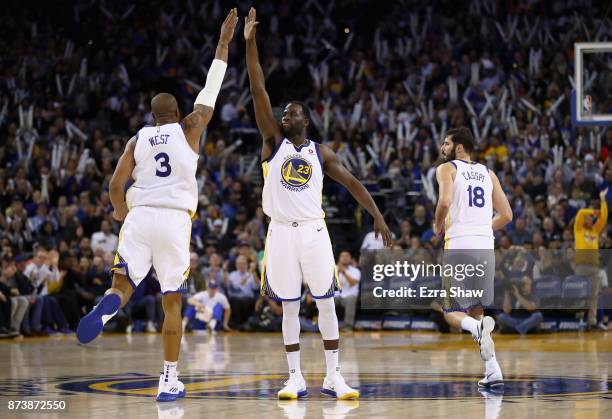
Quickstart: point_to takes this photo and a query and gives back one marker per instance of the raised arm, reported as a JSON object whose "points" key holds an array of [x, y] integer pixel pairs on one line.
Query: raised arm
{"points": [[500, 205], [194, 123], [334, 169], [116, 186], [268, 126], [602, 217]]}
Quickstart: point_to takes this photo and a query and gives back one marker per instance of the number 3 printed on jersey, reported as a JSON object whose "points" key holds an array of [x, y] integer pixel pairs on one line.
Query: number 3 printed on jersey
{"points": [[164, 161], [476, 196]]}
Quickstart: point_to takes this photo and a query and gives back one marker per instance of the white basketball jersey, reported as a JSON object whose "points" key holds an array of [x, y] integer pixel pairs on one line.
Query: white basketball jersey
{"points": [[471, 209], [165, 172], [293, 183]]}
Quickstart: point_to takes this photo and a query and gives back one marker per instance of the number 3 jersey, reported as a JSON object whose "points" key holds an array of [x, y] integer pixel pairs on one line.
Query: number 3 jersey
{"points": [[165, 171], [293, 182], [471, 208]]}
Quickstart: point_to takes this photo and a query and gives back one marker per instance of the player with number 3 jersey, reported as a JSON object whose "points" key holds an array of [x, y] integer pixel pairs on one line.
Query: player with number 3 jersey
{"points": [[156, 211]]}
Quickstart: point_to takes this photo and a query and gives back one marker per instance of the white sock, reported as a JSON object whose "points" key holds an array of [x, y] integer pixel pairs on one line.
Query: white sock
{"points": [[331, 360], [470, 324], [169, 370], [293, 360], [491, 365]]}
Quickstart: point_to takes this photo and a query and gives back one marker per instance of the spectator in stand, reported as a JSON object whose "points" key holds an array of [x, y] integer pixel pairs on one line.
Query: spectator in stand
{"points": [[242, 287], [97, 280], [519, 234], [349, 276], [19, 303], [520, 308], [143, 304], [208, 310], [104, 239]]}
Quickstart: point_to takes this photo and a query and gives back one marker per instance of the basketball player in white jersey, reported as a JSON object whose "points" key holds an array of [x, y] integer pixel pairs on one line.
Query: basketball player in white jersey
{"points": [[298, 247], [468, 193], [157, 211]]}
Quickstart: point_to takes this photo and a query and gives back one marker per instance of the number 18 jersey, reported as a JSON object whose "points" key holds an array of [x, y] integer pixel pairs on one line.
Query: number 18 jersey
{"points": [[165, 171], [471, 209]]}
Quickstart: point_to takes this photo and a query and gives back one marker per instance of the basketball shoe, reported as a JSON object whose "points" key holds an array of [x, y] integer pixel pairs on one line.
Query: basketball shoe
{"points": [[170, 388], [92, 324], [484, 339], [295, 387], [335, 386]]}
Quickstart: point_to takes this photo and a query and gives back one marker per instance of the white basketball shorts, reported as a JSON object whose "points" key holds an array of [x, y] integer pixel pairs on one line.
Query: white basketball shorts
{"points": [[298, 252], [157, 237], [472, 281]]}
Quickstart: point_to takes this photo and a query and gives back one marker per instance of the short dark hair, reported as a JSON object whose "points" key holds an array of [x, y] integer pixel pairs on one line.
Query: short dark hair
{"points": [[463, 136], [305, 108]]}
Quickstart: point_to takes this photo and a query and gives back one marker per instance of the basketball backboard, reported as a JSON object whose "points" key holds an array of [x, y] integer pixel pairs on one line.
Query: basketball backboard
{"points": [[592, 98]]}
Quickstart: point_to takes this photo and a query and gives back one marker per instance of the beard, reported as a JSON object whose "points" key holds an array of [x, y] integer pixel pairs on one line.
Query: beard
{"points": [[291, 131], [451, 156]]}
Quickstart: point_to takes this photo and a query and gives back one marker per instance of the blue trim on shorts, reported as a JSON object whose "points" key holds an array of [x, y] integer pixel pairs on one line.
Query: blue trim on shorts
{"points": [[279, 299], [322, 297], [178, 291], [127, 271]]}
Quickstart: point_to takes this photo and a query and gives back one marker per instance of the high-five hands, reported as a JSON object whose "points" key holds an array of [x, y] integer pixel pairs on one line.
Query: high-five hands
{"points": [[250, 23]]}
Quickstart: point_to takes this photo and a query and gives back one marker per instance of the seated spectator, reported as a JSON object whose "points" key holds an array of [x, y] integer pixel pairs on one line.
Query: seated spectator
{"points": [[97, 280], [208, 310], [104, 239], [267, 316], [242, 286], [349, 276], [520, 308], [19, 303], [215, 271], [308, 313], [142, 304], [519, 235]]}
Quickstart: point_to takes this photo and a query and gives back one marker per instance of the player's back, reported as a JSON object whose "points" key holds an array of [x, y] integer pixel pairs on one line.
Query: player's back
{"points": [[164, 175], [471, 209]]}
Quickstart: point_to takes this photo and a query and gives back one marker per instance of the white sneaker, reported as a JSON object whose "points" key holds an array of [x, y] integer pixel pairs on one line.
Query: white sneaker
{"points": [[170, 390], [295, 387], [150, 327], [602, 326], [335, 386], [484, 339], [493, 379]]}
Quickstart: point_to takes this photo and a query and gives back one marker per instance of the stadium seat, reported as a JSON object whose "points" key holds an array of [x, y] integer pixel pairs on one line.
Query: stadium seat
{"points": [[548, 289], [575, 292]]}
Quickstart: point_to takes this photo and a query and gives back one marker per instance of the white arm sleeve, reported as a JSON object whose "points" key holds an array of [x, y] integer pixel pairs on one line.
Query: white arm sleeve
{"points": [[208, 95]]}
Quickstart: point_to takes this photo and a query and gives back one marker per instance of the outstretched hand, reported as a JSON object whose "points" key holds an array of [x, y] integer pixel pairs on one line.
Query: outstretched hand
{"points": [[250, 23], [380, 228], [229, 26], [603, 194]]}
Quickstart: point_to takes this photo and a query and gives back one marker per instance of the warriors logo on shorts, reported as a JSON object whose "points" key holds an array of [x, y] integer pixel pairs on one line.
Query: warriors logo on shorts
{"points": [[295, 173]]}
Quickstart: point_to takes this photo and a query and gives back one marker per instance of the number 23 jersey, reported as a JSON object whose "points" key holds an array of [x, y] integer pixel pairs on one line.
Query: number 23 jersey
{"points": [[165, 171], [471, 208], [293, 182]]}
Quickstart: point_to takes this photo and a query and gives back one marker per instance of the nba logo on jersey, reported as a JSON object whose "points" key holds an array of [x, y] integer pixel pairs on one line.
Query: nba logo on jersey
{"points": [[295, 173]]}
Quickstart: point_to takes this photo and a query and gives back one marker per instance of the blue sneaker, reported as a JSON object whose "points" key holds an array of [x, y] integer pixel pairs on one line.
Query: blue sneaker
{"points": [[92, 324], [170, 390]]}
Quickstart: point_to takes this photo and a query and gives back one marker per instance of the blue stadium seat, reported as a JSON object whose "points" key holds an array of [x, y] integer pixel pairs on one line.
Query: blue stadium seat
{"points": [[575, 291], [548, 289]]}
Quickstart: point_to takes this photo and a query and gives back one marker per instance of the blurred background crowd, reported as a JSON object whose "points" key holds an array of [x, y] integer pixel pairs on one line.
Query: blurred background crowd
{"points": [[75, 85]]}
